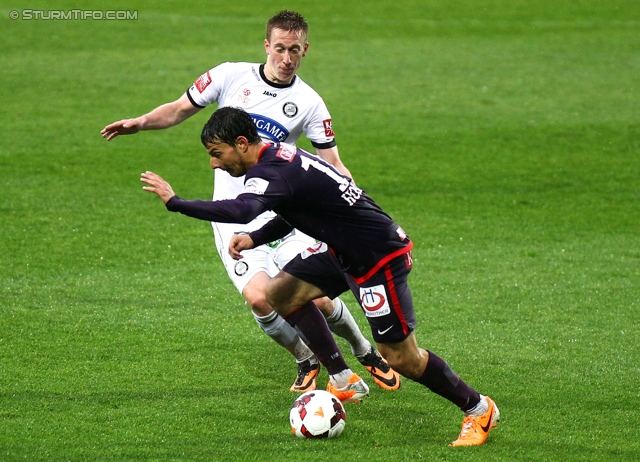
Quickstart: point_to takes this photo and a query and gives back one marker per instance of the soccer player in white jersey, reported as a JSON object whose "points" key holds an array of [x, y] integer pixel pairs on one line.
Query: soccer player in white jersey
{"points": [[282, 107]]}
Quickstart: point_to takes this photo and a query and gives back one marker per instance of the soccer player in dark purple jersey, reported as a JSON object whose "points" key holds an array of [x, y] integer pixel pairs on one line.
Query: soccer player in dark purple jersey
{"points": [[360, 249]]}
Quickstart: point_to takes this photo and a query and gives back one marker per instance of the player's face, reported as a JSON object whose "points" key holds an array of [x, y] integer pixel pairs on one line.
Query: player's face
{"points": [[227, 158], [285, 51]]}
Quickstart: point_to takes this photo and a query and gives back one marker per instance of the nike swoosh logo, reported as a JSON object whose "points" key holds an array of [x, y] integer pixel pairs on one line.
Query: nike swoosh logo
{"points": [[488, 426], [382, 332], [389, 381]]}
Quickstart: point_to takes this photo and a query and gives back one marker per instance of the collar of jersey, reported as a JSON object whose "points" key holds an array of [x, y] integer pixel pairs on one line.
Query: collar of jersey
{"points": [[267, 145], [273, 84]]}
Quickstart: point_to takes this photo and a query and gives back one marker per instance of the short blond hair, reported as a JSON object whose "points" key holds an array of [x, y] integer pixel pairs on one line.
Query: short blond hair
{"points": [[289, 21]]}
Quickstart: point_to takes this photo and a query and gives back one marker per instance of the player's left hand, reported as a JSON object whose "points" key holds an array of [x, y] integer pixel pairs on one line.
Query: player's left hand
{"points": [[157, 185], [238, 243]]}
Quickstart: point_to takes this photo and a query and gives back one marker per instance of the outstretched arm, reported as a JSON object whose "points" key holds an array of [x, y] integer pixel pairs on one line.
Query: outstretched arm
{"points": [[164, 116], [157, 185], [239, 210]]}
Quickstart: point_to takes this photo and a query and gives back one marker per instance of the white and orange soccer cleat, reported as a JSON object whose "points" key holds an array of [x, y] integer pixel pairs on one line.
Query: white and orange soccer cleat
{"points": [[353, 392]]}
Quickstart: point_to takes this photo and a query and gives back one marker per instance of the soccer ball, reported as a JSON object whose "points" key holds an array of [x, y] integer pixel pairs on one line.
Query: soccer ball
{"points": [[317, 414]]}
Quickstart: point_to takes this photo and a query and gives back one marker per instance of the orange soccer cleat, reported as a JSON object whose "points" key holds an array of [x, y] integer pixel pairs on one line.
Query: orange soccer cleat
{"points": [[306, 379], [382, 374], [475, 429]]}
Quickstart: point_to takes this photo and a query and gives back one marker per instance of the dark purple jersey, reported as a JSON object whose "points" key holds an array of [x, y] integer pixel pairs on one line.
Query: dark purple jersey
{"points": [[309, 194]]}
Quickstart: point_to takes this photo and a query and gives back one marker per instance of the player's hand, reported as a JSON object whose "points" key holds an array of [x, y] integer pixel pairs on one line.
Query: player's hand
{"points": [[121, 127], [157, 185], [239, 242]]}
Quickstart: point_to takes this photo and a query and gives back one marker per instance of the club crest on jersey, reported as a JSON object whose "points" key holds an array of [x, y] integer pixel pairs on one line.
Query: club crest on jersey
{"points": [[328, 128], [203, 82], [286, 152], [374, 301], [255, 186], [290, 109], [269, 128], [319, 247], [240, 268]]}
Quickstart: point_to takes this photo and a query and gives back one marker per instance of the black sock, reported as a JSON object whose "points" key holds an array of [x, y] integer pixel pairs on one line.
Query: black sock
{"points": [[440, 379], [315, 332]]}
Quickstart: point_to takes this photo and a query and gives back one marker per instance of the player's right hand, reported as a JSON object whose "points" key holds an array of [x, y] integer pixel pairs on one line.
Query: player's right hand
{"points": [[121, 127], [238, 243]]}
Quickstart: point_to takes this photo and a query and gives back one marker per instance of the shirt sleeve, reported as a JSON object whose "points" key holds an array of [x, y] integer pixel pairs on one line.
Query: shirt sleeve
{"points": [[268, 185], [318, 127], [272, 230], [240, 210], [207, 88]]}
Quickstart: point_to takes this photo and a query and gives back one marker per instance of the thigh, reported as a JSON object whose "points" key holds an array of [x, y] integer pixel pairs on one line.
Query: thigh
{"points": [[386, 301], [317, 266], [286, 293], [254, 261]]}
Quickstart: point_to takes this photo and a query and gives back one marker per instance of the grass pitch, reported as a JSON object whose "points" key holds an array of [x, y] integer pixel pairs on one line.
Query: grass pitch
{"points": [[502, 135]]}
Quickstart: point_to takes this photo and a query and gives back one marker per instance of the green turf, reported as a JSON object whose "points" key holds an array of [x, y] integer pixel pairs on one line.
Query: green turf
{"points": [[503, 136]]}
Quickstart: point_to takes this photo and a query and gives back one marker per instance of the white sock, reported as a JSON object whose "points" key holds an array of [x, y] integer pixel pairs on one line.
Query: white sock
{"points": [[342, 324], [480, 408], [284, 335], [341, 379]]}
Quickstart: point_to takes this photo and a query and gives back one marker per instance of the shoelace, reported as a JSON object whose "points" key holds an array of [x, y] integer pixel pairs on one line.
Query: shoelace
{"points": [[467, 425]]}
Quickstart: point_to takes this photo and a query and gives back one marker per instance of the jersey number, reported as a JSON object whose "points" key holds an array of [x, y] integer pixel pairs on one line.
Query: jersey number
{"points": [[350, 192]]}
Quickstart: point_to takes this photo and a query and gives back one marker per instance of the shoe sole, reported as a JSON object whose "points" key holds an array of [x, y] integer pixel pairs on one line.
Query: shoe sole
{"points": [[357, 398], [496, 416], [311, 387]]}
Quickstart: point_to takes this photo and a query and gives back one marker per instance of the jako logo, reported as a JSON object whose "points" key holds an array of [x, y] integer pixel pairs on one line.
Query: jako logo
{"points": [[268, 93]]}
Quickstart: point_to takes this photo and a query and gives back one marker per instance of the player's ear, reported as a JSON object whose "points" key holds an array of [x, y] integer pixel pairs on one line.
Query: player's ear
{"points": [[266, 46], [304, 50], [242, 143]]}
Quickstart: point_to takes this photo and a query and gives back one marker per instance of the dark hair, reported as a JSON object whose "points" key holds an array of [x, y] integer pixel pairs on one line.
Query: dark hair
{"points": [[289, 21], [227, 124]]}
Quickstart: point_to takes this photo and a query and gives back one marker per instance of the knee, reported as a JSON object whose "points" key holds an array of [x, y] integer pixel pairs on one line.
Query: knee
{"points": [[272, 294], [325, 305], [257, 301]]}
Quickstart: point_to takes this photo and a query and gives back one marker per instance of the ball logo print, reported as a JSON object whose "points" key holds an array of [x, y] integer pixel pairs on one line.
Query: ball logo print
{"points": [[374, 301], [243, 96], [317, 414]]}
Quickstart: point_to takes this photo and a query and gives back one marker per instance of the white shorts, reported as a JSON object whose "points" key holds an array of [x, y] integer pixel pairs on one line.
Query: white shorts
{"points": [[268, 258]]}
